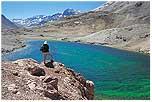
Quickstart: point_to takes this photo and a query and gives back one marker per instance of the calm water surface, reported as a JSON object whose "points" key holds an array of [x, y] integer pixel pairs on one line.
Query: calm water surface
{"points": [[117, 74]]}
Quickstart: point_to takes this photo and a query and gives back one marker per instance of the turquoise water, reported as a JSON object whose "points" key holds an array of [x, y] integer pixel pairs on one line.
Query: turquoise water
{"points": [[117, 74]]}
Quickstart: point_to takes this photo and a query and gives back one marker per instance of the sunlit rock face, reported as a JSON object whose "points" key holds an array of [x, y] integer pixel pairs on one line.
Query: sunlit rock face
{"points": [[27, 79]]}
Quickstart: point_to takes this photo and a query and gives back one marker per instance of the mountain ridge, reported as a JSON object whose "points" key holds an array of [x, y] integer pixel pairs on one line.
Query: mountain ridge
{"points": [[40, 20]]}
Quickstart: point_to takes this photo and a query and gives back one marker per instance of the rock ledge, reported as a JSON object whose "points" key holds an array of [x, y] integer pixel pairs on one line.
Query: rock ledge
{"points": [[26, 79]]}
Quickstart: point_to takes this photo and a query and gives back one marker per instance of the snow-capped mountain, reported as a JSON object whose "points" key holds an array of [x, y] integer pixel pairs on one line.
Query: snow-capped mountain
{"points": [[29, 21], [69, 12], [40, 20]]}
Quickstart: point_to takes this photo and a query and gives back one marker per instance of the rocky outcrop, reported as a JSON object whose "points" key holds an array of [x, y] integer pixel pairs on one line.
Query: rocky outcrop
{"points": [[27, 79]]}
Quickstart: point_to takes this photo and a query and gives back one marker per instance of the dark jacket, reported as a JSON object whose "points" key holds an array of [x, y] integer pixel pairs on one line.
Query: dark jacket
{"points": [[44, 48]]}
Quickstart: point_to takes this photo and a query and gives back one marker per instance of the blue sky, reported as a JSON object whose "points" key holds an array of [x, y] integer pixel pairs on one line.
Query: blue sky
{"points": [[25, 9]]}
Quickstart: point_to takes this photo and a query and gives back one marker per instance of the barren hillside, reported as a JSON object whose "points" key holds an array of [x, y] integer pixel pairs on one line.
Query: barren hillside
{"points": [[11, 39], [124, 25]]}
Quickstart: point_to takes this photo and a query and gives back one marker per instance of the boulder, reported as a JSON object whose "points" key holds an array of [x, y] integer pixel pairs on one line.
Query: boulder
{"points": [[54, 83], [51, 80], [81, 79], [89, 90], [71, 71], [50, 91]]}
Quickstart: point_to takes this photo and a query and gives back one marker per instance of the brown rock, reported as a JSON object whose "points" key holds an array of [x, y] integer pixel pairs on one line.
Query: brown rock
{"points": [[50, 91], [65, 85], [54, 83], [81, 79], [89, 90], [72, 71]]}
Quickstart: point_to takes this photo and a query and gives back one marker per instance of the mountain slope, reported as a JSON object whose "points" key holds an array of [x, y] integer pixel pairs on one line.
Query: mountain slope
{"points": [[7, 24], [94, 21], [10, 36], [120, 20], [135, 12]]}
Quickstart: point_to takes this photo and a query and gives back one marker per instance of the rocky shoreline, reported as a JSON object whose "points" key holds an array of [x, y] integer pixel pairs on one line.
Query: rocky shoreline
{"points": [[11, 41], [26, 79], [6, 51], [22, 45], [146, 52]]}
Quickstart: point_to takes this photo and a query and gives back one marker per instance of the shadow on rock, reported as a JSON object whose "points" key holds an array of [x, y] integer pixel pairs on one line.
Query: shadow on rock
{"points": [[36, 71]]}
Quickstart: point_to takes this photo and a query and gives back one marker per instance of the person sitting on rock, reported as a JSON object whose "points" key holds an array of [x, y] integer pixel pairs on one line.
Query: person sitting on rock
{"points": [[45, 51]]}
